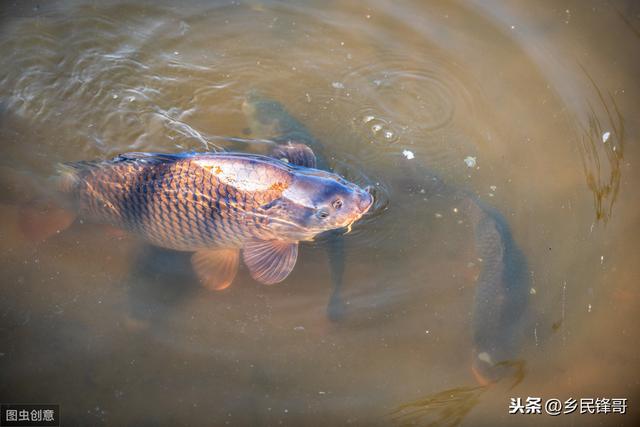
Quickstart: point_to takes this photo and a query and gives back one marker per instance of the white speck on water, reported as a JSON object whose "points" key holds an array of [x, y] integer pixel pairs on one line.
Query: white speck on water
{"points": [[337, 85], [455, 210], [286, 411], [322, 392], [376, 128], [605, 136], [408, 154], [388, 134], [176, 53], [485, 357], [513, 27], [308, 97], [493, 188], [367, 16], [438, 215], [367, 119], [589, 308], [601, 259], [470, 161], [426, 332], [298, 328], [532, 291]]}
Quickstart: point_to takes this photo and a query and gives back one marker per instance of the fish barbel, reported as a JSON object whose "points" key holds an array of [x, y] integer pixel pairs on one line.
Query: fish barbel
{"points": [[217, 205]]}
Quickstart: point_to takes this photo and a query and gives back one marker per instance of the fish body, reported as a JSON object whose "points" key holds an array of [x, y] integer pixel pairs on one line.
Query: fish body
{"points": [[500, 308], [216, 204]]}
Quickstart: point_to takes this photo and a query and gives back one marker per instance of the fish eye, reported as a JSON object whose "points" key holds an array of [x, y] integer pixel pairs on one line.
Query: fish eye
{"points": [[323, 214], [337, 203]]}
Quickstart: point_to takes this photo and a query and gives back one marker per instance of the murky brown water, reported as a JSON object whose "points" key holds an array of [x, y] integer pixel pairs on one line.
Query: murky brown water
{"points": [[542, 95]]}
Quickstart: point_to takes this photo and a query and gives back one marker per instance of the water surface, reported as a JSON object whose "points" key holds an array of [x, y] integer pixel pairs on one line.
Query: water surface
{"points": [[530, 106]]}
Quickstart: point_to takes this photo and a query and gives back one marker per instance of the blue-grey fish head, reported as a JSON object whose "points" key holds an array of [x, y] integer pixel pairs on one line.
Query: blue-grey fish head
{"points": [[317, 201], [266, 117]]}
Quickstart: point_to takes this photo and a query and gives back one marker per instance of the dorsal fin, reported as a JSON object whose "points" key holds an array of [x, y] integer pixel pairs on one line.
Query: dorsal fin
{"points": [[295, 153], [153, 157]]}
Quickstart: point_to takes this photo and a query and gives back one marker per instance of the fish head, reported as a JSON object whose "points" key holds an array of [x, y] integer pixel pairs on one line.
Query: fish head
{"points": [[265, 115], [317, 201]]}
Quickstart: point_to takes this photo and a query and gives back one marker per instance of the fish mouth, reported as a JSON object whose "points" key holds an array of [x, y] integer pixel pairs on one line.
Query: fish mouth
{"points": [[363, 205], [366, 200]]}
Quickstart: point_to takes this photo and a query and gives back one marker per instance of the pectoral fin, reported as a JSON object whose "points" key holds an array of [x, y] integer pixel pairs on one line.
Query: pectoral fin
{"points": [[216, 268], [270, 261], [295, 153]]}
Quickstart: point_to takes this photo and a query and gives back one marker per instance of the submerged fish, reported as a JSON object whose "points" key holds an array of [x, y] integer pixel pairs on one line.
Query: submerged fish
{"points": [[268, 118], [500, 309], [217, 205]]}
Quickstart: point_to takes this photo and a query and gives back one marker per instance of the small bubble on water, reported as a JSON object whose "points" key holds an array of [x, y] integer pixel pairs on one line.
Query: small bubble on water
{"points": [[470, 161], [376, 128], [408, 154], [605, 136], [337, 85], [493, 188], [388, 134], [367, 119]]}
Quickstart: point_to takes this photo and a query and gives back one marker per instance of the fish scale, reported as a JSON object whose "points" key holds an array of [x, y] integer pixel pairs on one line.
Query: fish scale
{"points": [[174, 204]]}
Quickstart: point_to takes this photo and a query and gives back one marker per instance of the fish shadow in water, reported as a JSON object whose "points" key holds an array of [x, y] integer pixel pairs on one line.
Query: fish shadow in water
{"points": [[159, 280]]}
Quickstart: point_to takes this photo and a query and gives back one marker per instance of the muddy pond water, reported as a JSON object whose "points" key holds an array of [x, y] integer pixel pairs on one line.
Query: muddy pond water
{"points": [[526, 111]]}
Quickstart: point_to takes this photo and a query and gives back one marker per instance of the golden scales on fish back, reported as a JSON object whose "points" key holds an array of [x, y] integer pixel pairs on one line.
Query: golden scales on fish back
{"points": [[216, 205]]}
